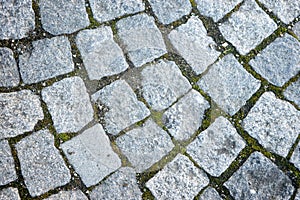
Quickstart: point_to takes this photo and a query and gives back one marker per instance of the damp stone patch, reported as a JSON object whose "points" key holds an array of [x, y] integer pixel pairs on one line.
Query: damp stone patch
{"points": [[292, 92], [210, 194], [10, 193], [7, 167], [9, 75], [71, 195]]}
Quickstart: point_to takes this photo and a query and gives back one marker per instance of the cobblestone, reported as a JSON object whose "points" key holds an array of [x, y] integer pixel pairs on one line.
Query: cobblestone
{"points": [[9, 75], [296, 29], [7, 168], [91, 155], [10, 193], [292, 92], [68, 195], [47, 59], [210, 194], [295, 159]]}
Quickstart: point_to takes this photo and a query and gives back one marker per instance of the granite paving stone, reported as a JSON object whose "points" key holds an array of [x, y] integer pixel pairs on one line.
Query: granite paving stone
{"points": [[216, 9], [296, 29], [297, 197], [216, 147], [60, 17], [120, 185], [210, 194], [7, 165], [185, 116], [9, 75], [145, 145], [259, 178], [141, 39], [274, 123], [10, 194], [286, 10], [159, 90], [68, 195], [247, 27], [101, 54], [229, 84], [196, 47], [16, 19], [69, 104], [179, 179], [295, 159], [43, 168], [91, 155], [111, 9], [279, 61], [170, 11], [19, 113], [292, 92], [48, 58], [124, 107]]}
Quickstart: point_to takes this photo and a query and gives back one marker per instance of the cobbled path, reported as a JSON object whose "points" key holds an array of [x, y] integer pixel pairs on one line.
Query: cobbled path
{"points": [[149, 99]]}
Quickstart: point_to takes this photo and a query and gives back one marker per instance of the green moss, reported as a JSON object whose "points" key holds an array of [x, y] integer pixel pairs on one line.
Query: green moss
{"points": [[157, 117], [64, 137]]}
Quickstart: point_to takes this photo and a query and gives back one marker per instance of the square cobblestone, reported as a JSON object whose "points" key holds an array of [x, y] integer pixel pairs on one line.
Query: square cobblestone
{"points": [[170, 11], [229, 84], [159, 90], [141, 39], [196, 47], [274, 123], [16, 19], [247, 27], [47, 59], [259, 178], [69, 104], [179, 179], [145, 146], [124, 108], [10, 194], [210, 194], [111, 9], [292, 92], [91, 155], [19, 112], [216, 147], [101, 54], [42, 166], [59, 17], [9, 75], [295, 159], [7, 165], [185, 116], [279, 61], [296, 29], [68, 195]]}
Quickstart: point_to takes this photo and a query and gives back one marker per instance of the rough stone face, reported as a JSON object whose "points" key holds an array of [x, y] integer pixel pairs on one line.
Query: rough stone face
{"points": [[296, 29], [124, 108], [297, 197], [145, 146], [216, 147], [196, 47], [247, 27], [120, 185], [274, 123], [91, 155], [259, 178], [19, 113], [110, 9], [296, 156], [279, 61], [216, 9], [16, 19], [286, 10], [69, 104], [10, 194], [141, 39], [170, 11], [162, 84], [292, 92], [68, 195], [7, 167], [47, 59], [59, 17], [42, 166], [9, 75], [179, 179], [229, 84], [101, 54], [185, 117], [210, 194]]}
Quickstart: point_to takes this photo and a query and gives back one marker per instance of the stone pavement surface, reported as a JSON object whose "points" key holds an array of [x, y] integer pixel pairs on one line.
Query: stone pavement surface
{"points": [[149, 99]]}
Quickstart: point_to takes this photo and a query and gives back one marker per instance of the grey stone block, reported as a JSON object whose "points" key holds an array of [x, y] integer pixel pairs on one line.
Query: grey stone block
{"points": [[141, 39], [296, 29], [274, 123], [101, 54], [292, 92], [192, 43], [47, 59], [10, 194], [7, 167], [295, 159], [91, 155], [210, 194], [68, 195], [43, 168], [69, 104], [9, 75], [19, 113]]}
